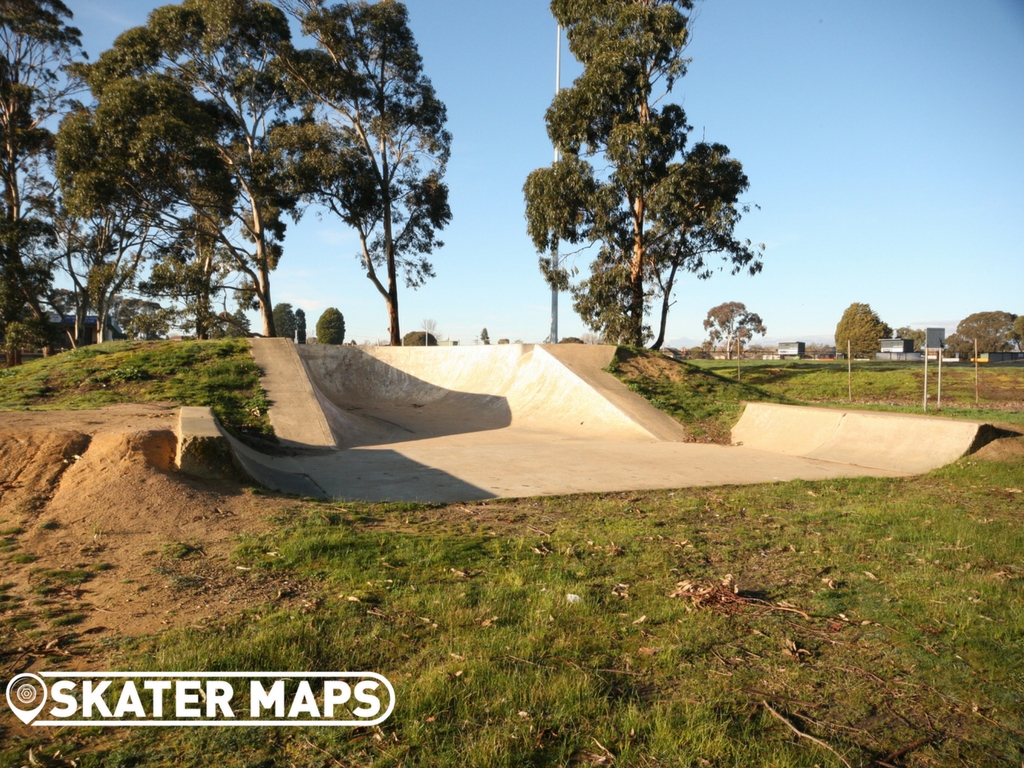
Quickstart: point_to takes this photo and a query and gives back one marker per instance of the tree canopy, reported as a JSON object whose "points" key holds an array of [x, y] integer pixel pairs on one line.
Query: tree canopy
{"points": [[330, 328], [917, 335], [374, 149], [657, 209], [994, 331], [863, 329], [37, 44], [730, 323], [185, 110]]}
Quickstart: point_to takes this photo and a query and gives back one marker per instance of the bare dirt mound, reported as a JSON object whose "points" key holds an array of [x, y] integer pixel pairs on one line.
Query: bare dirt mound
{"points": [[1008, 448], [100, 535]]}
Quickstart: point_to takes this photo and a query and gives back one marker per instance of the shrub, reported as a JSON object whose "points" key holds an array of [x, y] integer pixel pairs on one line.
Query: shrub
{"points": [[330, 328], [415, 339]]}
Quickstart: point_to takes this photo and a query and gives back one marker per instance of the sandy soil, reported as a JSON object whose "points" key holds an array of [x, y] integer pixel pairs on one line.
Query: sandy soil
{"points": [[96, 491]]}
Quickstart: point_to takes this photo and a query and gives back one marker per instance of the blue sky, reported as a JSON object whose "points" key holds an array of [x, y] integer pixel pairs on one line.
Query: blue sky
{"points": [[884, 143]]}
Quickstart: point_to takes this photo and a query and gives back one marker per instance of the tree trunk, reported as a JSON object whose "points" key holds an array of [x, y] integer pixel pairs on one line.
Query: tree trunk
{"points": [[666, 302], [392, 301], [395, 331], [263, 294]]}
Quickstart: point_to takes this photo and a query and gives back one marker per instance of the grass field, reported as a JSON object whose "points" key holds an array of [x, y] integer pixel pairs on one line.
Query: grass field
{"points": [[883, 618], [707, 397], [860, 622], [219, 374]]}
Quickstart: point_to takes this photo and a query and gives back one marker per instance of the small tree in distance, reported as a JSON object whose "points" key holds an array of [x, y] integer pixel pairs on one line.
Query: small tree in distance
{"points": [[994, 332], [300, 326], [485, 337], [284, 320], [916, 335], [731, 321], [330, 328], [419, 339], [863, 329]]}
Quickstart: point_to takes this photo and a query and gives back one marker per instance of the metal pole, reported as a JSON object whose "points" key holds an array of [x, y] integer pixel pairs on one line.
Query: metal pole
{"points": [[553, 338], [849, 370], [976, 395], [938, 404], [926, 379]]}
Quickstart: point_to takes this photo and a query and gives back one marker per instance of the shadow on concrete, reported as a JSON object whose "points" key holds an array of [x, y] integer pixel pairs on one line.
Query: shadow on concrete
{"points": [[372, 476], [368, 402]]}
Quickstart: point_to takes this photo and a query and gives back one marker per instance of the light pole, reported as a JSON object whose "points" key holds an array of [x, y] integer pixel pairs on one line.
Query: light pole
{"points": [[553, 337]]}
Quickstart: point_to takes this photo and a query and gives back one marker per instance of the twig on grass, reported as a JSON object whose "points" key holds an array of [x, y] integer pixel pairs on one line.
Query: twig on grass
{"points": [[332, 758], [803, 735], [901, 752]]}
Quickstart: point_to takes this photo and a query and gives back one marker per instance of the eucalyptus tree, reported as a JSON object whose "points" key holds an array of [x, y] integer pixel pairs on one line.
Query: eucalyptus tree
{"points": [[730, 323], [694, 214], [36, 45], [101, 255], [185, 110], [374, 148], [653, 209]]}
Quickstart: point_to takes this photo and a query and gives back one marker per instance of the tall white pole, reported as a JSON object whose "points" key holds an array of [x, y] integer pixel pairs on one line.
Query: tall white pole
{"points": [[553, 338]]}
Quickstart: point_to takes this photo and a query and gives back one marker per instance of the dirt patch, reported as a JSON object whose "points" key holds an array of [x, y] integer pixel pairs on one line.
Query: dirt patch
{"points": [[101, 536], [1005, 450], [649, 366]]}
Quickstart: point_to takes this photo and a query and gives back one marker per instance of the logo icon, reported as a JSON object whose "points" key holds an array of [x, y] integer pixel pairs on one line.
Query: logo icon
{"points": [[26, 696]]}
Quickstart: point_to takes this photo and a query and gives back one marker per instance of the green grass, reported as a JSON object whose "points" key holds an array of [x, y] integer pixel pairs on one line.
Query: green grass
{"points": [[872, 614], [219, 374], [886, 385], [707, 398], [707, 401]]}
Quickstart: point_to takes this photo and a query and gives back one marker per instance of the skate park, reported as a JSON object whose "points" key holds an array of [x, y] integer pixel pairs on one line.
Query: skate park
{"points": [[450, 424]]}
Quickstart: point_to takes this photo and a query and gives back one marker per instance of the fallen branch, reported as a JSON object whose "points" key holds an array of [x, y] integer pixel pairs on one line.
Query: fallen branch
{"points": [[909, 748], [803, 735]]}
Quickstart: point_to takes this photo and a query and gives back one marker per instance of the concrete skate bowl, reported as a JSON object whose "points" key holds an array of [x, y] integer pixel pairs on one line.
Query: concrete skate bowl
{"points": [[385, 395], [903, 443], [451, 424]]}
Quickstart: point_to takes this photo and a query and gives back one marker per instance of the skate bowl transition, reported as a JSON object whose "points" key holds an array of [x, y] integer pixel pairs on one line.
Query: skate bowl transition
{"points": [[447, 424]]}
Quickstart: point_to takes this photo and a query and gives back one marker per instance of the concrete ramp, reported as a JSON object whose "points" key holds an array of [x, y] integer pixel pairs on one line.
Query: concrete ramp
{"points": [[449, 424], [295, 412], [896, 442], [382, 395]]}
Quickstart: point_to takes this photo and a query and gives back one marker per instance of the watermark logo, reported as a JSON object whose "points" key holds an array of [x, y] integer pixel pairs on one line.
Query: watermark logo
{"points": [[26, 696], [59, 699]]}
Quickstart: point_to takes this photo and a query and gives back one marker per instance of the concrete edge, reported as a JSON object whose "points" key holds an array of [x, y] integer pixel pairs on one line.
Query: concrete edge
{"points": [[965, 436], [295, 413], [658, 424], [206, 451]]}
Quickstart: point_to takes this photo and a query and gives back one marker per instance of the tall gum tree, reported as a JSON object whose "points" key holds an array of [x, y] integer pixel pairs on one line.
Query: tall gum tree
{"points": [[185, 110], [657, 209], [37, 44], [374, 148]]}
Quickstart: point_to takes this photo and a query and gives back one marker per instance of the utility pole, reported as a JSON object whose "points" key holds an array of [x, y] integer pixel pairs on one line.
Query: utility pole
{"points": [[553, 337], [926, 377], [849, 371]]}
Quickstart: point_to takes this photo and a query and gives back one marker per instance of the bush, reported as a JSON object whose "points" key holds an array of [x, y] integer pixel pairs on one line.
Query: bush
{"points": [[863, 329], [284, 321], [415, 339], [330, 328], [571, 340]]}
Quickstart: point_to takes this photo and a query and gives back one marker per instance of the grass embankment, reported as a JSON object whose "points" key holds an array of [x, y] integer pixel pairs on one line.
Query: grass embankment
{"points": [[882, 617], [707, 397], [219, 374]]}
